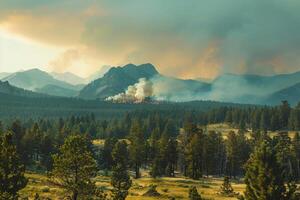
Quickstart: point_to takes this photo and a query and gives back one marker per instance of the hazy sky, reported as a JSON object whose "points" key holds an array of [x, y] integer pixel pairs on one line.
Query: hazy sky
{"points": [[194, 38]]}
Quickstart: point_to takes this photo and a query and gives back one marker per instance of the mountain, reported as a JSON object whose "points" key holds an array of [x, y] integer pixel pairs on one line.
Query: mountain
{"points": [[7, 89], [69, 77], [55, 90], [98, 74], [36, 79], [291, 94], [251, 88], [116, 80], [179, 90], [247, 88], [257, 84], [4, 74]]}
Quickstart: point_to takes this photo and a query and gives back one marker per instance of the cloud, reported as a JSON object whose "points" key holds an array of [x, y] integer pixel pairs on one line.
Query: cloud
{"points": [[187, 39]]}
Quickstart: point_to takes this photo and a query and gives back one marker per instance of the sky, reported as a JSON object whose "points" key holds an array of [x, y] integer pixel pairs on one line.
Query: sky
{"points": [[186, 39]]}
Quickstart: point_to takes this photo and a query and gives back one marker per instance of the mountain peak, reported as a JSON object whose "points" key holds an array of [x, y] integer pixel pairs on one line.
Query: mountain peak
{"points": [[117, 79], [34, 70], [130, 68]]}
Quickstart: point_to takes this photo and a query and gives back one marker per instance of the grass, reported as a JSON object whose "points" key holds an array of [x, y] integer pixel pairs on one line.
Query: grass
{"points": [[226, 128], [177, 187]]}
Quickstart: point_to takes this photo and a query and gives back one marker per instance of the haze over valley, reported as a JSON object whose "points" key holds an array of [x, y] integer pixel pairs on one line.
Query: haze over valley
{"points": [[149, 100], [123, 83]]}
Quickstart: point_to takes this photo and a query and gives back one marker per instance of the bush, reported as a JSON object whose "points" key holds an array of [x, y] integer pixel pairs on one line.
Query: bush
{"points": [[45, 189], [165, 190], [152, 192]]}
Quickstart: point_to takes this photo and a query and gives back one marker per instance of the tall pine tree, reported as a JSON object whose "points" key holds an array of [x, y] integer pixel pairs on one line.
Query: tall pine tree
{"points": [[120, 179], [264, 175], [136, 147], [74, 167], [12, 177]]}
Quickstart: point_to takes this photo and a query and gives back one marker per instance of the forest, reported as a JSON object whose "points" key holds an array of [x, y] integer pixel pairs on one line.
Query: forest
{"points": [[263, 153]]}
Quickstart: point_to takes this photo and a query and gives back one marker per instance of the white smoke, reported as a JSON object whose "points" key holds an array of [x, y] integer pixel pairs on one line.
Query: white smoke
{"points": [[162, 88], [136, 93]]}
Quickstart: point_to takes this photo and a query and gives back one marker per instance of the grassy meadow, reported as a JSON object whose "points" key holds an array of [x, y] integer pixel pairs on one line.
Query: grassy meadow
{"points": [[176, 187], [167, 187]]}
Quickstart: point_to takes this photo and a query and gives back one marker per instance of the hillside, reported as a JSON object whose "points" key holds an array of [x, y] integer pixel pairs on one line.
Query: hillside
{"points": [[34, 79], [3, 75], [116, 80], [68, 77], [6, 90], [291, 94], [55, 90], [252, 88], [246, 88]]}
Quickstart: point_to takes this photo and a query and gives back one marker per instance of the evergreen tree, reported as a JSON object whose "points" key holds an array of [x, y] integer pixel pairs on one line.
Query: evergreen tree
{"points": [[264, 175], [46, 149], [107, 160], [283, 147], [194, 155], [214, 153], [74, 167], [136, 147], [12, 177], [171, 157], [120, 179], [296, 152], [226, 187], [193, 194], [232, 153], [284, 110]]}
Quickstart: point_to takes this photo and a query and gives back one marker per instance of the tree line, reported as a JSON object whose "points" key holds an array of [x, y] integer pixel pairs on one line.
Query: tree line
{"points": [[155, 142]]}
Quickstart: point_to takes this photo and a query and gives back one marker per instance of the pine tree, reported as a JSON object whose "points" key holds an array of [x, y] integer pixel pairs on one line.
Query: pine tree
{"points": [[107, 149], [74, 167], [12, 177], [194, 155], [232, 153], [171, 157], [46, 149], [264, 175], [120, 179], [226, 187], [136, 147], [296, 152], [193, 194], [284, 110], [285, 156]]}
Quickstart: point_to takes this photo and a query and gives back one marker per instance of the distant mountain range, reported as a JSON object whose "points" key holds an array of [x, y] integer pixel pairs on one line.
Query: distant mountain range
{"points": [[69, 77], [39, 81], [7, 89], [4, 74], [253, 89]]}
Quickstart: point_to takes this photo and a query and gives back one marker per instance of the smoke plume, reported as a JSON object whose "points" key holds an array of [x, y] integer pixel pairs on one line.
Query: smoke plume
{"points": [[136, 93]]}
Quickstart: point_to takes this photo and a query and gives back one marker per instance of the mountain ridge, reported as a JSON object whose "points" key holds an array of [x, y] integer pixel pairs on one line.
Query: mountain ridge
{"points": [[245, 88], [116, 80], [35, 79]]}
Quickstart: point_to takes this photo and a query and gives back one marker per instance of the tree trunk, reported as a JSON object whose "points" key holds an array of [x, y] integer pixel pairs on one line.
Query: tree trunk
{"points": [[137, 171], [75, 195]]}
